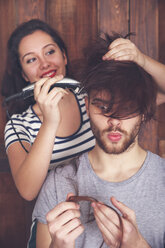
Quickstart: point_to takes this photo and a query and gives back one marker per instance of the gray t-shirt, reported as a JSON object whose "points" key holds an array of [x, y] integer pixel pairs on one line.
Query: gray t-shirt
{"points": [[144, 192]]}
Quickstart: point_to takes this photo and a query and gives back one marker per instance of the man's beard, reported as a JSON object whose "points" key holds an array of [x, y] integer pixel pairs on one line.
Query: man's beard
{"points": [[113, 147]]}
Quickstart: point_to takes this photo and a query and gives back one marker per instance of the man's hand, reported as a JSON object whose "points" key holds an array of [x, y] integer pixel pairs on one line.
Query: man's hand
{"points": [[109, 223], [116, 233], [64, 224]]}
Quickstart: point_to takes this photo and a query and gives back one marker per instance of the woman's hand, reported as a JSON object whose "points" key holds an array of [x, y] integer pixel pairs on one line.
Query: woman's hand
{"points": [[48, 101], [124, 49], [64, 224]]}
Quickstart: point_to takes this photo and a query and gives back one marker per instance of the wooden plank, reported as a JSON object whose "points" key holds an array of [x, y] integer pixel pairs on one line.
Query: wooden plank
{"points": [[113, 16], [161, 122], [76, 22], [144, 22], [7, 24], [12, 225], [161, 109], [4, 165], [161, 10], [162, 148], [29, 9]]}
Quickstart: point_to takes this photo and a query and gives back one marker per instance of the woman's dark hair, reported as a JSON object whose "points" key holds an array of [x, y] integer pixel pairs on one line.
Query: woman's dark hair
{"points": [[12, 81], [132, 91]]}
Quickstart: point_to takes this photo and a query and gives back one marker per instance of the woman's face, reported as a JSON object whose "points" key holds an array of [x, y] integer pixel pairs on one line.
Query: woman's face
{"points": [[41, 57]]}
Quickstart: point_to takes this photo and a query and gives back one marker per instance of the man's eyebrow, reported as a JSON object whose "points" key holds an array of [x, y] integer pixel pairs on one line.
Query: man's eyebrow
{"points": [[30, 53], [100, 100]]}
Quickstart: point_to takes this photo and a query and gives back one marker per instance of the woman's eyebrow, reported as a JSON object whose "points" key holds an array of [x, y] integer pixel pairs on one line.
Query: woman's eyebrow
{"points": [[31, 53], [50, 44]]}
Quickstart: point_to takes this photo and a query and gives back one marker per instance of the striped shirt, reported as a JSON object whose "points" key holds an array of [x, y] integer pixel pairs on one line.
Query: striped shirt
{"points": [[28, 124]]}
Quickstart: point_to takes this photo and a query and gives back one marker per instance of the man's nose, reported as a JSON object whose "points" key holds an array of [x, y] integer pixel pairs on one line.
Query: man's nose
{"points": [[113, 122]]}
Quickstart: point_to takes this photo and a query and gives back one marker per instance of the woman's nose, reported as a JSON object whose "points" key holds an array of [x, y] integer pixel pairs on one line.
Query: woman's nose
{"points": [[44, 63]]}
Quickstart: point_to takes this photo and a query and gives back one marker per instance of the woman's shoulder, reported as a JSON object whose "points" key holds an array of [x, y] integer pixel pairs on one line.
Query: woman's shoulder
{"points": [[26, 118], [26, 115]]}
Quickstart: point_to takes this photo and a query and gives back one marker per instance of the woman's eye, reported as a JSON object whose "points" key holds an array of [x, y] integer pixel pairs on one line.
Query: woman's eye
{"points": [[31, 60], [50, 52]]}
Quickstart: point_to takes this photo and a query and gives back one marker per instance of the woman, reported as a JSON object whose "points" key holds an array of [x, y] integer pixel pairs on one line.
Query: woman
{"points": [[56, 127]]}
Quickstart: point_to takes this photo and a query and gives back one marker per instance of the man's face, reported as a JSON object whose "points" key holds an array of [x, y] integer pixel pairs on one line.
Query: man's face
{"points": [[113, 136]]}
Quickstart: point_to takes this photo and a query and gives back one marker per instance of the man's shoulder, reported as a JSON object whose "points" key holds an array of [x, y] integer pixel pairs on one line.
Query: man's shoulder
{"points": [[156, 160], [156, 157]]}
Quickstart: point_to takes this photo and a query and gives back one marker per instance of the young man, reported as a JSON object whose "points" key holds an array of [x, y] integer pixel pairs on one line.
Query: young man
{"points": [[127, 182]]}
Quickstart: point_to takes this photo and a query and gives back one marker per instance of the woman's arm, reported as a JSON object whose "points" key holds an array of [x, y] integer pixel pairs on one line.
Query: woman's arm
{"points": [[30, 169], [124, 49], [43, 238]]}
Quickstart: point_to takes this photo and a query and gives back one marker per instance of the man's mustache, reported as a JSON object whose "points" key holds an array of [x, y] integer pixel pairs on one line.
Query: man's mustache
{"points": [[115, 129]]}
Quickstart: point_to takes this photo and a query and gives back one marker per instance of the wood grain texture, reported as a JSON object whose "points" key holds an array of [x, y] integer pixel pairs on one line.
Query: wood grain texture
{"points": [[161, 33], [29, 9], [144, 22], [76, 22], [162, 148], [161, 109], [7, 24], [13, 224], [161, 121], [113, 16]]}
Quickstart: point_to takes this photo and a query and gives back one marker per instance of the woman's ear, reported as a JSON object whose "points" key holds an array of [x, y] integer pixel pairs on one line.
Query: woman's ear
{"points": [[87, 104], [65, 58]]}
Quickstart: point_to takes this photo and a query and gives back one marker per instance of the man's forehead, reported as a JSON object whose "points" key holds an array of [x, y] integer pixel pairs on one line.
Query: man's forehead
{"points": [[101, 95]]}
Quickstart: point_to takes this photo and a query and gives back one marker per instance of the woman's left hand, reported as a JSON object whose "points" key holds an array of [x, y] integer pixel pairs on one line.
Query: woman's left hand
{"points": [[124, 49]]}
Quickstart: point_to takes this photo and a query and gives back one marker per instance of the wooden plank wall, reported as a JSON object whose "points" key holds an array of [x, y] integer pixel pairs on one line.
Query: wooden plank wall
{"points": [[78, 22], [161, 109]]}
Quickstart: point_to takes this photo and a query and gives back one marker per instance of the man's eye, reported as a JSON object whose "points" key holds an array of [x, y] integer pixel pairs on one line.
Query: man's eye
{"points": [[103, 108], [30, 60]]}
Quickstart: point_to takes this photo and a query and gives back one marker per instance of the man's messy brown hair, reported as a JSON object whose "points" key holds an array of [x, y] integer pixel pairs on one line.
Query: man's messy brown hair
{"points": [[132, 91]]}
